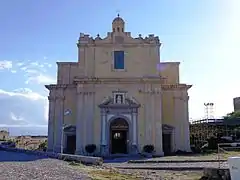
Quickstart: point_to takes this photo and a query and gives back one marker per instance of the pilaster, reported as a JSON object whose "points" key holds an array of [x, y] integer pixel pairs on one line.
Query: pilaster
{"points": [[148, 120], [177, 120], [59, 121], [51, 116], [79, 125], [152, 116], [158, 123], [182, 135], [89, 116], [186, 123]]}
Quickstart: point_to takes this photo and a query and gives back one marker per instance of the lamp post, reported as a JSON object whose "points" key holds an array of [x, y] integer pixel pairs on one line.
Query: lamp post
{"points": [[66, 113]]}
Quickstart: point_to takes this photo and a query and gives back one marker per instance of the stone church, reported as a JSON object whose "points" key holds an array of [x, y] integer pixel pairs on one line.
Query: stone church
{"points": [[118, 96]]}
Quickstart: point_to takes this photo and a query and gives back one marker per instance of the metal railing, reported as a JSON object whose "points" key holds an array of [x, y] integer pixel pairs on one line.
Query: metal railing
{"points": [[225, 149]]}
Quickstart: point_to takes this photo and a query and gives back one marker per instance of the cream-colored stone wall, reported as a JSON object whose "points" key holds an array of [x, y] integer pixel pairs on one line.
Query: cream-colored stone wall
{"points": [[161, 97]]}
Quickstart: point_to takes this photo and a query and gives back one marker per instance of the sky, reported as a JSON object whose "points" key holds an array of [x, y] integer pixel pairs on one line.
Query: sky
{"points": [[203, 35]]}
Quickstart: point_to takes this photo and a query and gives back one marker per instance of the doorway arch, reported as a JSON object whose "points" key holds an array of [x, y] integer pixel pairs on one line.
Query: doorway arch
{"points": [[119, 133]]}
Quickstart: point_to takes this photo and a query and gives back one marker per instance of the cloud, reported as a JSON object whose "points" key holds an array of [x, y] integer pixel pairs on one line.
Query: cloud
{"points": [[40, 79], [23, 107], [35, 72], [5, 64]]}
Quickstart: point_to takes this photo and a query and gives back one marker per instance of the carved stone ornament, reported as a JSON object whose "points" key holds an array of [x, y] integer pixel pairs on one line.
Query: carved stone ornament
{"points": [[106, 99]]}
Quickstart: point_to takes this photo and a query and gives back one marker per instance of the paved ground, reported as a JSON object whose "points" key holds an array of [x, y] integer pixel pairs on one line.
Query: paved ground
{"points": [[161, 166]]}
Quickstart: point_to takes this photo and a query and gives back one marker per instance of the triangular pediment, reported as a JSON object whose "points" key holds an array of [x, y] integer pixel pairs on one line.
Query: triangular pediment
{"points": [[129, 101]]}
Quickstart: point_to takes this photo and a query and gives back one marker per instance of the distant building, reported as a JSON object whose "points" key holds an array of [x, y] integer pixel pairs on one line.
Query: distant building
{"points": [[4, 135], [29, 142], [236, 103]]}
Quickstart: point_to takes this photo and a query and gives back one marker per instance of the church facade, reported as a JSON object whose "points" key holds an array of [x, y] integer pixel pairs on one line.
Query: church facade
{"points": [[118, 96]]}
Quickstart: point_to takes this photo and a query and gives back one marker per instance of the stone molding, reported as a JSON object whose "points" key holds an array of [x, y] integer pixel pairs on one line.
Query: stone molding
{"points": [[128, 80], [59, 97], [86, 92], [51, 98], [57, 86], [85, 40], [183, 98]]}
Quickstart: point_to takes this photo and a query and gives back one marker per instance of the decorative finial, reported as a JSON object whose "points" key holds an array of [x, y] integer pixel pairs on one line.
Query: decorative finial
{"points": [[118, 14]]}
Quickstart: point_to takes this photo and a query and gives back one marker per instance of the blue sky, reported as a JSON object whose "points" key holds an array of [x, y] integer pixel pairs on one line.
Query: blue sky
{"points": [[202, 34]]}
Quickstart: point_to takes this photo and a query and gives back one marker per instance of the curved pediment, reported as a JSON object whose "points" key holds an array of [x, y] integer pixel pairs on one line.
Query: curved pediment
{"points": [[167, 127], [70, 128]]}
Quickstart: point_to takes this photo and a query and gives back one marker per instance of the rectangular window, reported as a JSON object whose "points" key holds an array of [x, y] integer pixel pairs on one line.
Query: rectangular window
{"points": [[118, 59]]}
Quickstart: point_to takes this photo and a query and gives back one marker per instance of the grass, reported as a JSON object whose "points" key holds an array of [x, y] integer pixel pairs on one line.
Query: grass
{"points": [[204, 156], [104, 174], [181, 175], [112, 174]]}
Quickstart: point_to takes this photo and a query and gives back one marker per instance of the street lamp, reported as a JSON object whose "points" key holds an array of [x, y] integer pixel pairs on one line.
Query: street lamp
{"points": [[66, 113]]}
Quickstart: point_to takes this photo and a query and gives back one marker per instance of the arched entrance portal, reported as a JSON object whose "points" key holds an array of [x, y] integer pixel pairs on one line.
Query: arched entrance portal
{"points": [[118, 136]]}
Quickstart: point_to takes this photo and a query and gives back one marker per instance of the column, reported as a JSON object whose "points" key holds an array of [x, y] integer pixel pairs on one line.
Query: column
{"points": [[59, 122], [103, 133], [50, 147], [103, 127], [134, 146], [134, 121], [79, 129]]}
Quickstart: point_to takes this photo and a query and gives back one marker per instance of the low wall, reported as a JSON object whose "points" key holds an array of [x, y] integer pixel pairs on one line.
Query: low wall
{"points": [[67, 157]]}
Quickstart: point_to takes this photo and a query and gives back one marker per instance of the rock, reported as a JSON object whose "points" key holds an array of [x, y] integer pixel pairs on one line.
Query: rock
{"points": [[216, 174]]}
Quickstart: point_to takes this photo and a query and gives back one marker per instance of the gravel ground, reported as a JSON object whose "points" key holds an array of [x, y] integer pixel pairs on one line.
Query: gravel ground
{"points": [[44, 169], [19, 166]]}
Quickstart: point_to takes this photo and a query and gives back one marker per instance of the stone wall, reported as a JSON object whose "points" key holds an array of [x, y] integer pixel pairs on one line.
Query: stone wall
{"points": [[68, 157]]}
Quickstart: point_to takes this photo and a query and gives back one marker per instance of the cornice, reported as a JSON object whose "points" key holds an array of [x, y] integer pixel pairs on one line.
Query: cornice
{"points": [[127, 80], [59, 86], [125, 45], [175, 87]]}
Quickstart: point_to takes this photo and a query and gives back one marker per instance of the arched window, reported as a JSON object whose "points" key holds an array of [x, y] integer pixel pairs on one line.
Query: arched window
{"points": [[113, 29], [118, 29]]}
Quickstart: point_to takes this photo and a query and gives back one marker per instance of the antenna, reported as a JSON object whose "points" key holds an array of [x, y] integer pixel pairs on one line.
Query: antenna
{"points": [[208, 109]]}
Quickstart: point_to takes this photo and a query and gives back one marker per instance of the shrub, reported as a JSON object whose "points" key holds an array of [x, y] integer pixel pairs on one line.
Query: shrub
{"points": [[90, 148], [148, 148], [43, 146]]}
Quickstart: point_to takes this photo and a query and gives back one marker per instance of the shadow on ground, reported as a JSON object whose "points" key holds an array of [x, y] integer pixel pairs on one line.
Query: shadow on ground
{"points": [[122, 159], [6, 156]]}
